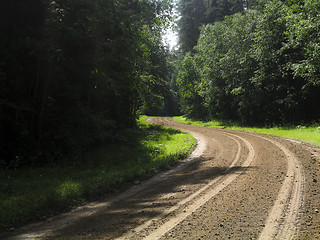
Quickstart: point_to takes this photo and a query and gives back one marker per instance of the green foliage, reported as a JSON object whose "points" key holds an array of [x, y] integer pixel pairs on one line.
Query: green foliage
{"points": [[224, 57], [72, 73], [192, 17], [30, 194], [260, 67], [155, 75], [303, 35], [195, 13], [272, 81], [188, 81]]}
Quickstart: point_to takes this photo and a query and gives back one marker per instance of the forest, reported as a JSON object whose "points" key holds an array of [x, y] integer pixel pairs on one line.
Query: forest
{"points": [[256, 65], [75, 74]]}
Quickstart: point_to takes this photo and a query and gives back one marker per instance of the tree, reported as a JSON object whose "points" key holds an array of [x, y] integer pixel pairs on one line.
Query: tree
{"points": [[260, 67], [218, 9], [188, 81], [303, 34], [73, 72], [223, 54], [192, 17], [195, 13], [21, 26]]}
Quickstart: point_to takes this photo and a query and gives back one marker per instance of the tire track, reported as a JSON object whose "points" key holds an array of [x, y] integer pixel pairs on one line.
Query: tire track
{"points": [[282, 222], [283, 218], [207, 191], [221, 182], [211, 193]]}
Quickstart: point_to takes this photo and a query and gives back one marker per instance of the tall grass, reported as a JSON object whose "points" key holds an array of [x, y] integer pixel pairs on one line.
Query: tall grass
{"points": [[309, 134], [31, 194]]}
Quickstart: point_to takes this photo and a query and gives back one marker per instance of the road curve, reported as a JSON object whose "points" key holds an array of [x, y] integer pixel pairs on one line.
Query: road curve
{"points": [[235, 185], [283, 219]]}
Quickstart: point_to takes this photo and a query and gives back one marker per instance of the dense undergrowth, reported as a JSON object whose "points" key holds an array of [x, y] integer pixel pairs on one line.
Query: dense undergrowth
{"points": [[309, 134], [32, 194]]}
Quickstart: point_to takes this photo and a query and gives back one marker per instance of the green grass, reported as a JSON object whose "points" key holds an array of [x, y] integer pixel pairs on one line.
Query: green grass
{"points": [[309, 134], [31, 194]]}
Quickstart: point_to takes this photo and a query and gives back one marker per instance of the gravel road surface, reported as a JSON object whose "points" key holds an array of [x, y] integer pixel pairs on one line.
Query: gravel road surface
{"points": [[235, 185]]}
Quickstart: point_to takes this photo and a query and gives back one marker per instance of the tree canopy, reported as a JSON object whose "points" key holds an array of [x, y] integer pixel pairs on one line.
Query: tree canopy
{"points": [[257, 67], [195, 13], [75, 72]]}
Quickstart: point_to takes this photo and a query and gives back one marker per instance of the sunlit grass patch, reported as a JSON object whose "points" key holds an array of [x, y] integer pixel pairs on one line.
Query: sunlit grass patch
{"points": [[29, 194], [69, 188], [309, 134]]}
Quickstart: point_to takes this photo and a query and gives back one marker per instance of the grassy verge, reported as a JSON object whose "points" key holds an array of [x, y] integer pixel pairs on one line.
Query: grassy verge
{"points": [[31, 194], [309, 134]]}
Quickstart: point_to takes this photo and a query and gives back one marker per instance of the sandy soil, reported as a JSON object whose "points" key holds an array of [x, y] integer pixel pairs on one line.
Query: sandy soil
{"points": [[236, 185]]}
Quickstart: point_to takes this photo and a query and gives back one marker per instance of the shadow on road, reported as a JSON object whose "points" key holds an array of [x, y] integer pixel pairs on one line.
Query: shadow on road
{"points": [[125, 215]]}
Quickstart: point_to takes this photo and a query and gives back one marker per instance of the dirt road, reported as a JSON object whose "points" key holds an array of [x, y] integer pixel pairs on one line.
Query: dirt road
{"points": [[235, 185]]}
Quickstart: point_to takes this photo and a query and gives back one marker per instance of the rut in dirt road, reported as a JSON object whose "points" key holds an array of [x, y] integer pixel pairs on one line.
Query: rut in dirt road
{"points": [[235, 185], [283, 219], [282, 222], [196, 204]]}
